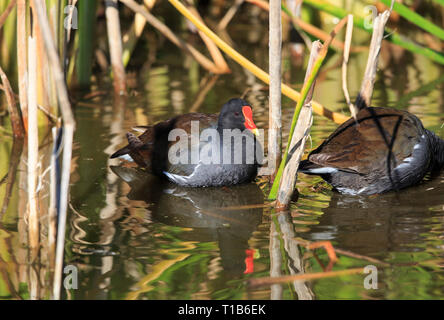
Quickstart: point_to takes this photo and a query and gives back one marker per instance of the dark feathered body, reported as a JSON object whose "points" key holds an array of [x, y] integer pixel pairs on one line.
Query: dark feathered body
{"points": [[151, 150], [384, 149]]}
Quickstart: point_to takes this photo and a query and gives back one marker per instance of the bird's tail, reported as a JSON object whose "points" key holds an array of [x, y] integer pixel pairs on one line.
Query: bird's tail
{"points": [[306, 166], [136, 151], [121, 152]]}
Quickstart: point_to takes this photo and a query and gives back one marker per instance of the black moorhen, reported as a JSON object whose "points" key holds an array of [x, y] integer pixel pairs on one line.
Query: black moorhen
{"points": [[384, 149], [153, 149]]}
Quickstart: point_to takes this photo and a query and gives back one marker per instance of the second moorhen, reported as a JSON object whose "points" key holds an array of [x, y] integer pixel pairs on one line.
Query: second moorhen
{"points": [[384, 149], [156, 146]]}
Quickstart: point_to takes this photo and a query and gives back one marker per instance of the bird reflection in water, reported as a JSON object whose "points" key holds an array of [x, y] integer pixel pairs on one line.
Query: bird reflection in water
{"points": [[380, 224], [227, 215]]}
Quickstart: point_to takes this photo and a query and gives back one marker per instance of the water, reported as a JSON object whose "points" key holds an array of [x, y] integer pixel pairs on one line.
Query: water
{"points": [[132, 236]]}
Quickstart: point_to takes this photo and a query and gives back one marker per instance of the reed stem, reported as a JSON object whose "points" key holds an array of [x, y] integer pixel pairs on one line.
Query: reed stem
{"points": [[33, 149], [132, 36], [68, 133], [364, 97], [346, 54], [87, 18], [22, 60], [298, 139], [115, 46], [304, 92], [274, 113]]}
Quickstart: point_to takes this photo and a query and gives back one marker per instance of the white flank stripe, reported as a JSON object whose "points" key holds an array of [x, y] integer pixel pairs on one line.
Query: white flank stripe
{"points": [[126, 157], [323, 170]]}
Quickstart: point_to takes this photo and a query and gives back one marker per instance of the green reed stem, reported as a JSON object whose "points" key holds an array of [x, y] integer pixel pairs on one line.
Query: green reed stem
{"points": [[308, 83], [86, 22], [304, 92]]}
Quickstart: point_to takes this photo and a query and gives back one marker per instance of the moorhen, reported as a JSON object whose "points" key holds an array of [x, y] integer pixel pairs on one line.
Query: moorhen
{"points": [[156, 146], [384, 149]]}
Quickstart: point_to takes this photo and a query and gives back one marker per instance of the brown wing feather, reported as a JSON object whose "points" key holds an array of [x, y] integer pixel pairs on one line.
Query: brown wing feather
{"points": [[142, 148], [364, 146]]}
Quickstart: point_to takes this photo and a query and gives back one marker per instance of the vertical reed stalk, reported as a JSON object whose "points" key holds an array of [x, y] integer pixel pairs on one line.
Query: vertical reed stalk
{"points": [[365, 94], [53, 13], [44, 84], [292, 250], [132, 36], [33, 149], [52, 210], [68, 66], [68, 133], [276, 290], [87, 15], [115, 45], [33, 282], [61, 30], [298, 139], [306, 88], [69, 22], [64, 190], [275, 47], [22, 60], [347, 44]]}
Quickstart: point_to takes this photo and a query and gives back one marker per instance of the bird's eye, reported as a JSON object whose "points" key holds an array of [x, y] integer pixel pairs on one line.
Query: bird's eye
{"points": [[236, 114]]}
